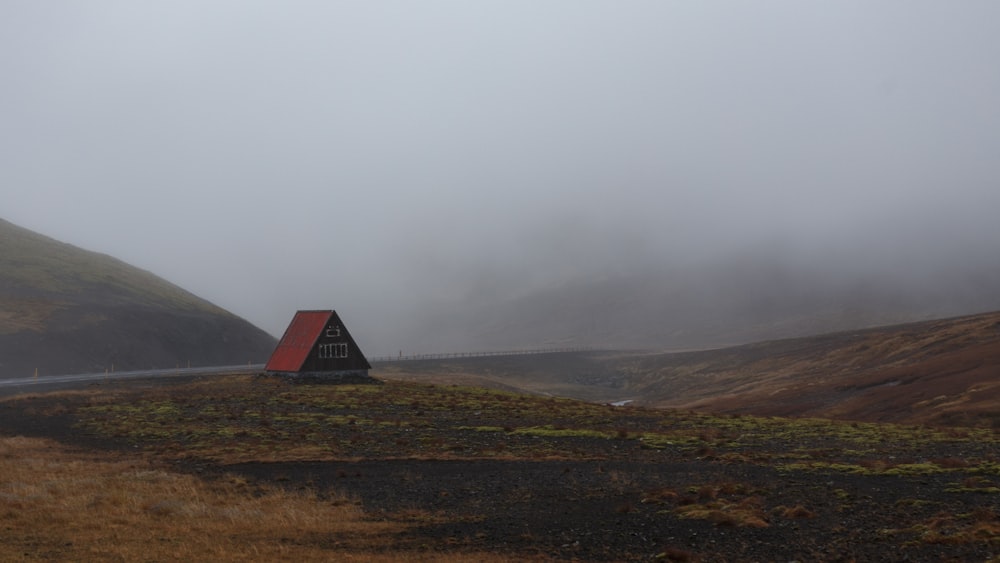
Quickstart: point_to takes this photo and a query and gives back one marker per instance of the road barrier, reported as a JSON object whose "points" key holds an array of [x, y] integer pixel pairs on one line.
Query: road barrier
{"points": [[454, 355]]}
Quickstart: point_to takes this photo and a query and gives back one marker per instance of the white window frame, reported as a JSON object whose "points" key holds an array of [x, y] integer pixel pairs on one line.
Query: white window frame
{"points": [[333, 350], [340, 350]]}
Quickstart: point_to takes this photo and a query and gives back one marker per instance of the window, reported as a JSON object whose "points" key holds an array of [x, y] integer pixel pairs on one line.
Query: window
{"points": [[332, 331], [335, 350]]}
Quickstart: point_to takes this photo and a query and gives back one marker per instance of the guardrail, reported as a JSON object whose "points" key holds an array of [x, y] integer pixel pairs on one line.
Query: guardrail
{"points": [[11, 383], [454, 355]]}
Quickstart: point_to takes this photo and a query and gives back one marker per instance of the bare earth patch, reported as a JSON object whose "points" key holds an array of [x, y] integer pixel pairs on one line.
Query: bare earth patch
{"points": [[424, 472]]}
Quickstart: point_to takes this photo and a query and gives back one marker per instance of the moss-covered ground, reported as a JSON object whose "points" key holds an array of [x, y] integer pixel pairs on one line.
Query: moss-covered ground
{"points": [[470, 470]]}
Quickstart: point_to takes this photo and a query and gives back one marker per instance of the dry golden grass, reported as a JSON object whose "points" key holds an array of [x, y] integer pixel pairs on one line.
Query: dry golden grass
{"points": [[746, 513], [59, 504], [25, 314]]}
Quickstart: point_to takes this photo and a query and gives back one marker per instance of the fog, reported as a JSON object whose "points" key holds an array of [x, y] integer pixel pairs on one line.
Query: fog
{"points": [[398, 160]]}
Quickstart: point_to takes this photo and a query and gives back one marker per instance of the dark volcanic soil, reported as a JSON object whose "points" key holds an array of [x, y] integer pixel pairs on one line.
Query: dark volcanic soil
{"points": [[610, 510], [622, 502]]}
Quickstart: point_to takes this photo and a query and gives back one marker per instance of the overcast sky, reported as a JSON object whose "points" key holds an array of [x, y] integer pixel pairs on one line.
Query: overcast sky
{"points": [[375, 157]]}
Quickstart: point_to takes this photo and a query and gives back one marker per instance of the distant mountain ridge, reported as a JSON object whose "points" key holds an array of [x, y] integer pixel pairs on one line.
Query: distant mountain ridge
{"points": [[68, 310], [750, 298]]}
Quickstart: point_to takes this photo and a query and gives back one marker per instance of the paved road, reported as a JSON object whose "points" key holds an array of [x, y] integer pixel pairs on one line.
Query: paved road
{"points": [[76, 381]]}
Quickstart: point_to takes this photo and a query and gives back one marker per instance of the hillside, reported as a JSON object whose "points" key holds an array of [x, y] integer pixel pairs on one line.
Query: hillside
{"points": [[757, 295], [939, 372], [67, 310], [942, 371]]}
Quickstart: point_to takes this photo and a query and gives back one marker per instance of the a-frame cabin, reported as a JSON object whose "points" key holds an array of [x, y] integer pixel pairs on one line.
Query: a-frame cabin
{"points": [[316, 345]]}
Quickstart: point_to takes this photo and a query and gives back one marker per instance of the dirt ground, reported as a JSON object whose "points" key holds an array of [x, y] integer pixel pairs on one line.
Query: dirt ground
{"points": [[547, 508], [608, 511], [618, 500]]}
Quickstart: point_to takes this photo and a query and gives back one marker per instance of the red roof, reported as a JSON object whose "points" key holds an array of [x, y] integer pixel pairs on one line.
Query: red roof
{"points": [[301, 334]]}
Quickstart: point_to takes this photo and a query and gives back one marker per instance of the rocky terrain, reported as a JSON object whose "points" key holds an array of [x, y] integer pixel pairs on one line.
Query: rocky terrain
{"points": [[473, 474]]}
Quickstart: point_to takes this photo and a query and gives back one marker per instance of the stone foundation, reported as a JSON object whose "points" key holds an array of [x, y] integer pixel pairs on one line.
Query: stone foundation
{"points": [[353, 377]]}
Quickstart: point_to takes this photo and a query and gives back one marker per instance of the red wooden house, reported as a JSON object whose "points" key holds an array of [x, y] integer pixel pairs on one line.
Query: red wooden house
{"points": [[317, 345]]}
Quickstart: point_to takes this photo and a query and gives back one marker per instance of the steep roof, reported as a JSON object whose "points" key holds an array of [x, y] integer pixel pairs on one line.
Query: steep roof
{"points": [[300, 336]]}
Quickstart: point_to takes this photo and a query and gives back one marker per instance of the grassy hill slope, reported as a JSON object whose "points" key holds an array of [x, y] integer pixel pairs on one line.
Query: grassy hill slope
{"points": [[942, 371], [65, 310]]}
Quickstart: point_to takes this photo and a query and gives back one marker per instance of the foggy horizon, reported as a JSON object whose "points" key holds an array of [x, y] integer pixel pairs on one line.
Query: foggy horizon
{"points": [[396, 161]]}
